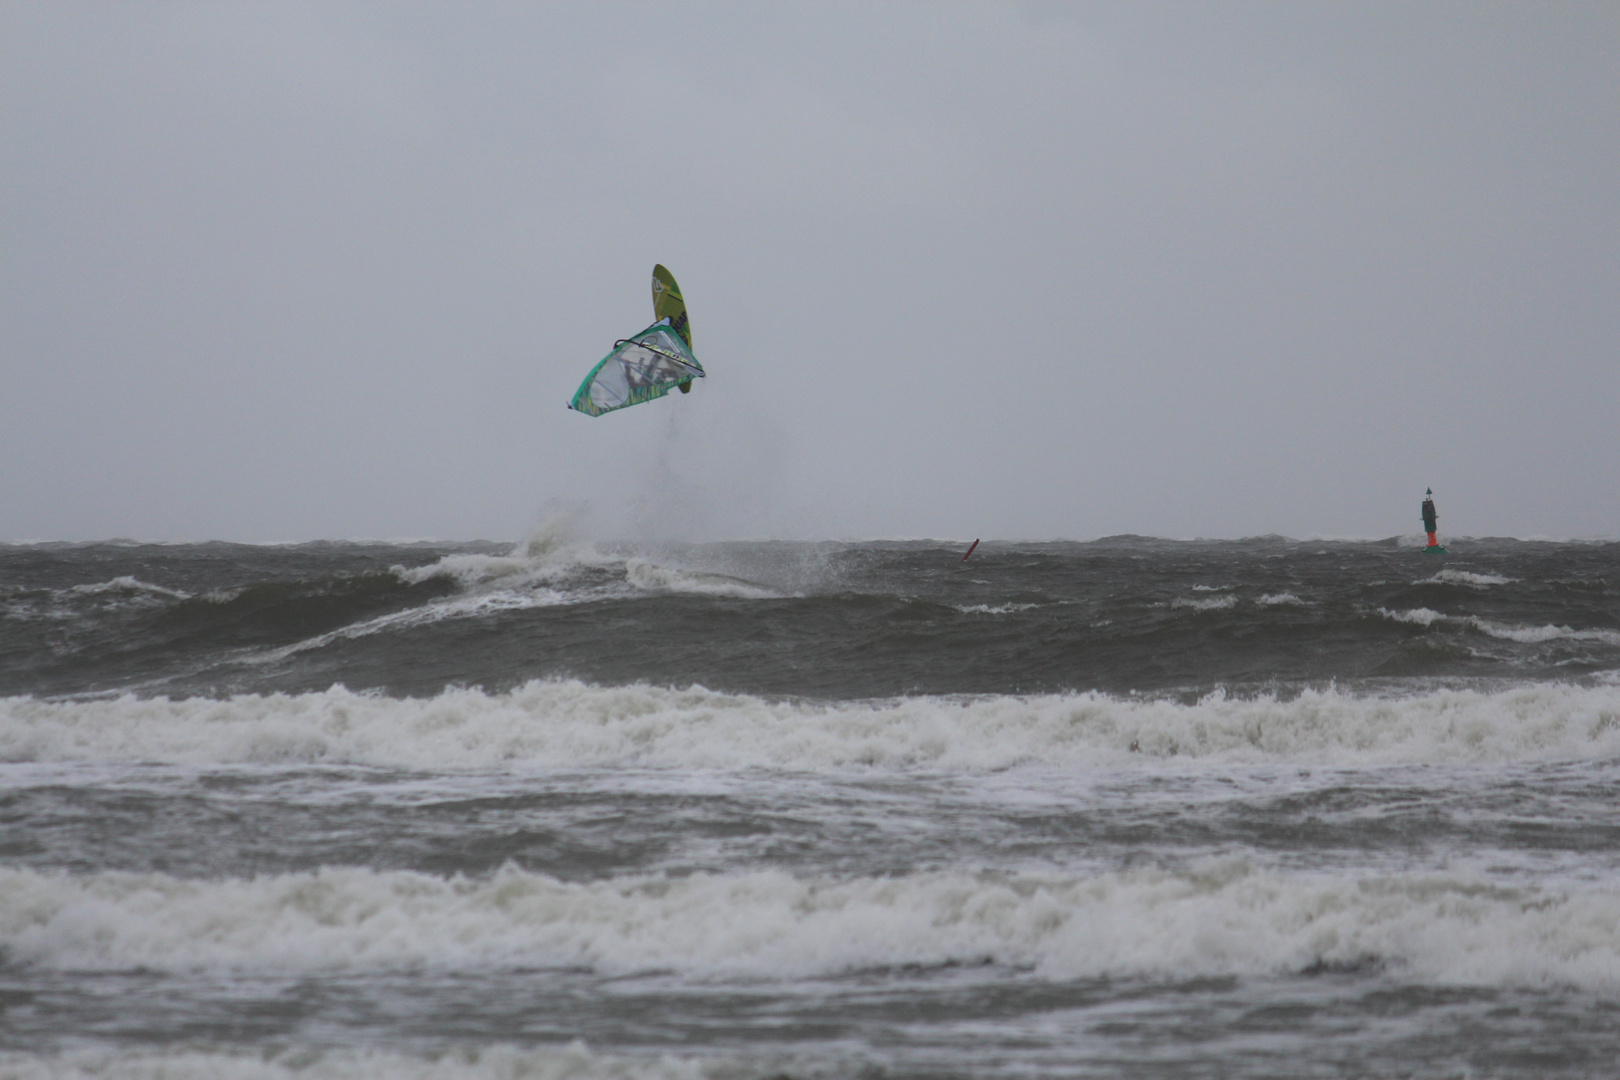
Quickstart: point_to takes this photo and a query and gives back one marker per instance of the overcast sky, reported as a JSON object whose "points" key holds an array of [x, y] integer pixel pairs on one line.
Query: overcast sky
{"points": [[287, 272]]}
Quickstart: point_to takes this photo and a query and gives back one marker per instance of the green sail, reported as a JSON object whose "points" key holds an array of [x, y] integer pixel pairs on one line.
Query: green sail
{"points": [[640, 368]]}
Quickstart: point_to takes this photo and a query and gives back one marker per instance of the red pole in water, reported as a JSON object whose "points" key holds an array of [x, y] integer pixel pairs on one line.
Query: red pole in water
{"points": [[970, 550]]}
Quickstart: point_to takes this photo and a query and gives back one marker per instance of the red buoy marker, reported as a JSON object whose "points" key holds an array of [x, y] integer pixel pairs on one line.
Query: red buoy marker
{"points": [[1431, 523], [970, 550]]}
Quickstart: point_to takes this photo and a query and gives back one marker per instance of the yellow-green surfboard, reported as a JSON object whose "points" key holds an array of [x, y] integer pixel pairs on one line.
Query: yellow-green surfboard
{"points": [[667, 303]]}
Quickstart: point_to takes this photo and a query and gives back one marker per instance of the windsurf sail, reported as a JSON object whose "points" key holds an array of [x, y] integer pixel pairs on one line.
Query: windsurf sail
{"points": [[640, 368]]}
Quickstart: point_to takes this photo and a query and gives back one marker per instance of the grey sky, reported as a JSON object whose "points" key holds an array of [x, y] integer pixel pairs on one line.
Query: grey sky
{"points": [[1008, 270]]}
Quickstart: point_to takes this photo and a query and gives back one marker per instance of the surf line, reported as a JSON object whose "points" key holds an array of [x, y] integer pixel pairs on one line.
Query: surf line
{"points": [[970, 550]]}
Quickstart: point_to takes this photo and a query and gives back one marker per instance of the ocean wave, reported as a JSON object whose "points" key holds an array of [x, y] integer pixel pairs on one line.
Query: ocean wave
{"points": [[498, 1062], [122, 593], [472, 606], [469, 569], [578, 570], [1220, 916], [1417, 616], [128, 586], [550, 724], [1464, 577], [1282, 599], [993, 609], [1214, 603], [1505, 631], [473, 571], [656, 578], [532, 575]]}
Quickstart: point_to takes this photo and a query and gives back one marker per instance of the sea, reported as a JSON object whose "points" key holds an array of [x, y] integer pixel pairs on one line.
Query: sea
{"points": [[576, 808]]}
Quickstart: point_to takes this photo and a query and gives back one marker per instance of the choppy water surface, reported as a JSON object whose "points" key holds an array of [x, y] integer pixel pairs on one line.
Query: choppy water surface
{"points": [[1128, 808]]}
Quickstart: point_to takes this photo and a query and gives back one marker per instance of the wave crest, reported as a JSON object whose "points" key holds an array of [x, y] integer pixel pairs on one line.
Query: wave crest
{"points": [[569, 724], [1528, 635], [1218, 916], [1449, 576]]}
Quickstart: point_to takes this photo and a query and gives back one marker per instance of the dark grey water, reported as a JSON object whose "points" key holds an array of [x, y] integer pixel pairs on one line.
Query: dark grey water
{"points": [[834, 621], [1132, 808]]}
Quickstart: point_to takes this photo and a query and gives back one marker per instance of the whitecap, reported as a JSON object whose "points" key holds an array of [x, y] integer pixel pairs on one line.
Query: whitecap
{"points": [[129, 586], [1505, 631], [562, 724], [1449, 576], [654, 577], [1214, 917], [1214, 603], [1419, 616]]}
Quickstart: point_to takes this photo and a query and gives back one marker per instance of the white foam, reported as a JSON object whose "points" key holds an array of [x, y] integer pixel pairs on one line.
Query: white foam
{"points": [[467, 569], [1420, 616], [67, 604], [1214, 603], [128, 588], [1283, 599], [1505, 631], [222, 595], [526, 563], [503, 588], [556, 566], [1464, 577], [656, 578], [994, 609], [128, 584], [548, 569], [552, 549], [1533, 634], [1216, 917], [568, 724], [498, 1062], [474, 605], [533, 574]]}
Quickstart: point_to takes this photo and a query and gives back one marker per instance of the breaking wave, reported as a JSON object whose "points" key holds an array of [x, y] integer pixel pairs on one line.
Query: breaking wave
{"points": [[125, 592], [567, 724], [534, 574], [1464, 577], [128, 586], [1505, 631], [1214, 603], [1219, 916], [552, 557], [656, 578]]}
